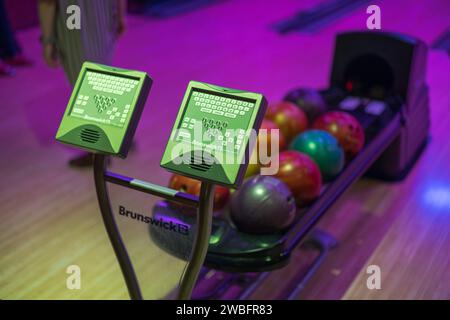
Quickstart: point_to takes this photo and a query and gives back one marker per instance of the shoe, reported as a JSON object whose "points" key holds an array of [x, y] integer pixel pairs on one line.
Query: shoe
{"points": [[18, 60], [85, 160], [6, 70], [82, 161]]}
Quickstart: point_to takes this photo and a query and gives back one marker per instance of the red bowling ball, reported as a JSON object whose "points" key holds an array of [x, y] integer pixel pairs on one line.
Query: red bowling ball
{"points": [[192, 186], [345, 128]]}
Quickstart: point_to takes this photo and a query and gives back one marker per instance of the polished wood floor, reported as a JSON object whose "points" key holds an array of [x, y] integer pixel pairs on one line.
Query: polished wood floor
{"points": [[48, 212]]}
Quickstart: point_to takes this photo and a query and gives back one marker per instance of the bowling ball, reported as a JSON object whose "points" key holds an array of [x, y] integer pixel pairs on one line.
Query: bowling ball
{"points": [[345, 128], [255, 164], [253, 167], [301, 174], [290, 119], [262, 205], [179, 243], [310, 101], [269, 125], [323, 148], [192, 186]]}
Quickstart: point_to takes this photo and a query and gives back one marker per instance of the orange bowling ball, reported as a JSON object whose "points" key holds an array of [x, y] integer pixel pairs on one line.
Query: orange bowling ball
{"points": [[345, 128], [301, 174], [255, 164], [253, 167], [269, 125], [192, 186], [288, 117]]}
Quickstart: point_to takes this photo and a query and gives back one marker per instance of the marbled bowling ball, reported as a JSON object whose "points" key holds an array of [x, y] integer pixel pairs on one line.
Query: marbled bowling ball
{"points": [[288, 117], [264, 147], [345, 128], [310, 101], [269, 129], [323, 148], [301, 174], [253, 167], [193, 186]]}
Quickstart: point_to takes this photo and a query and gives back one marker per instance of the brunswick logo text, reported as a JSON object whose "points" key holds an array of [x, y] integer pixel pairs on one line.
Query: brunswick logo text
{"points": [[167, 225]]}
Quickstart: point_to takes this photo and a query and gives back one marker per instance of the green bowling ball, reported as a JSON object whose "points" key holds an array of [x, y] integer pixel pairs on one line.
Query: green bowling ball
{"points": [[323, 148]]}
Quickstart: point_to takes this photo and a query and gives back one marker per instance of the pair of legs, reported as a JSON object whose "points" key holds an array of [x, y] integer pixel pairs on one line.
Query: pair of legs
{"points": [[10, 51]]}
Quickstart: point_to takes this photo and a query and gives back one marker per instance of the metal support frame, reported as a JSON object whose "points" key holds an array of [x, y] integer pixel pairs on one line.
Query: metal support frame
{"points": [[201, 241], [204, 219], [294, 237], [113, 231]]}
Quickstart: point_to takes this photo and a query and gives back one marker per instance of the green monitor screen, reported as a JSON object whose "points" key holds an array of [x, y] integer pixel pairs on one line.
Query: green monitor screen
{"points": [[210, 138], [105, 98], [104, 109]]}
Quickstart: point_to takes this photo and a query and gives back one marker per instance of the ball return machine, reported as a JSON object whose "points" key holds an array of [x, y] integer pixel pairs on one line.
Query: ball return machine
{"points": [[380, 79]]}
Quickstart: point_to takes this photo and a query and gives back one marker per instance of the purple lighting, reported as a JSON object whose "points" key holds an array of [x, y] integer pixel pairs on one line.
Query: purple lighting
{"points": [[437, 197]]}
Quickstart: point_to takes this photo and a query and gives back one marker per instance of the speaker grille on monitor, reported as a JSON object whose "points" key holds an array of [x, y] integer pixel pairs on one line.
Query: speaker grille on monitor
{"points": [[198, 162], [89, 135]]}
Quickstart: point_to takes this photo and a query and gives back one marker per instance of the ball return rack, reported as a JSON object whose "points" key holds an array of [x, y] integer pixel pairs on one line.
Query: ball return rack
{"points": [[396, 127], [250, 258]]}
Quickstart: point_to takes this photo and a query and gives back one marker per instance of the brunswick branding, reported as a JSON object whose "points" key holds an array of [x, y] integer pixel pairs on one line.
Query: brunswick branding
{"points": [[161, 223]]}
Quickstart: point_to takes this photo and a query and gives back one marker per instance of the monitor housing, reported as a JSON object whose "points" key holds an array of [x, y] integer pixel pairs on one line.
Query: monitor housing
{"points": [[210, 138], [104, 109]]}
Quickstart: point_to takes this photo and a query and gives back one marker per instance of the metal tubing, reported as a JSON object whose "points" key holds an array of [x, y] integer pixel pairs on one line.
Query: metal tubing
{"points": [[112, 229], [201, 242], [153, 189]]}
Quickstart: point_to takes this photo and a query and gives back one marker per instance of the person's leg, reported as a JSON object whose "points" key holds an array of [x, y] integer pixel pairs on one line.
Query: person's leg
{"points": [[5, 69], [8, 44], [95, 43], [10, 51]]}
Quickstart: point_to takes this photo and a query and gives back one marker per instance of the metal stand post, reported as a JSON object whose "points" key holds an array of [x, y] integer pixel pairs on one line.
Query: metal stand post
{"points": [[201, 242], [112, 229]]}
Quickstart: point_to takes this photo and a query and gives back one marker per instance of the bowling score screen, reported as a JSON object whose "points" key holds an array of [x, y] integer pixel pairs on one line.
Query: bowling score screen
{"points": [[224, 120]]}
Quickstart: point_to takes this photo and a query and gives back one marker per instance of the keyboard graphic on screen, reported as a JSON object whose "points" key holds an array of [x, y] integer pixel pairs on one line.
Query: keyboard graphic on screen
{"points": [[109, 94], [220, 117]]}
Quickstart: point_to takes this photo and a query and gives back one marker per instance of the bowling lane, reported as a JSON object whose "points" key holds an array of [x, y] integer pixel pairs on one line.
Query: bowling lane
{"points": [[413, 254]]}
